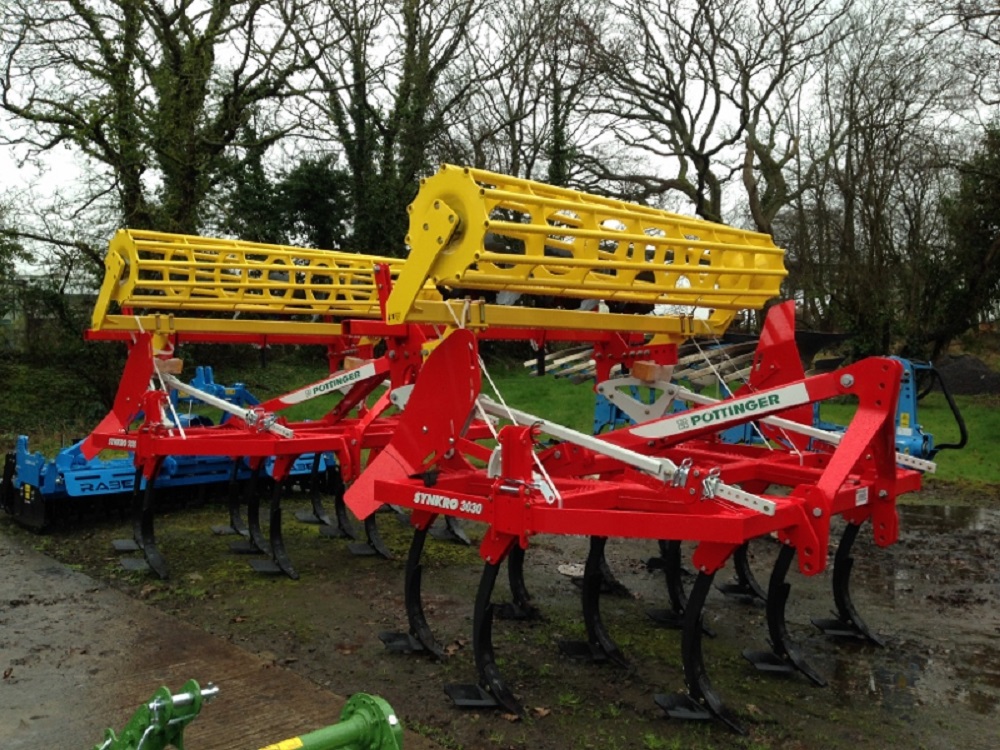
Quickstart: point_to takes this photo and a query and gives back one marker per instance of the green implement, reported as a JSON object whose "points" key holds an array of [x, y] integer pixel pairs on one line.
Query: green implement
{"points": [[366, 723], [160, 723]]}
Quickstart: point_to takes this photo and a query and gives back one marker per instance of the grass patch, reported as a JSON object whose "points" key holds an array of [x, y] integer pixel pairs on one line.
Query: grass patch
{"points": [[978, 462], [47, 405]]}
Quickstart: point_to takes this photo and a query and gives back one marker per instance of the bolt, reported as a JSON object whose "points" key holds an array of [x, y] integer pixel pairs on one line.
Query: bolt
{"points": [[691, 491], [847, 381], [424, 429], [817, 512], [883, 493], [558, 455]]}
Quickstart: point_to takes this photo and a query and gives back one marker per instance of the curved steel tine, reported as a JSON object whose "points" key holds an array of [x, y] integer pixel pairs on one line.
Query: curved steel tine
{"points": [[137, 501], [148, 539], [784, 657], [335, 483], [420, 638], [846, 621], [670, 562], [374, 544], [318, 512], [521, 607], [236, 522], [450, 531], [598, 640], [257, 539], [609, 581], [610, 584], [701, 702], [745, 587], [419, 628], [673, 573], [278, 552], [482, 643]]}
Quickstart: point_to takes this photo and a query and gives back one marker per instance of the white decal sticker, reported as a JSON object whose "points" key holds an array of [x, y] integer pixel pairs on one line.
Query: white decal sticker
{"points": [[726, 412], [443, 502], [333, 383]]}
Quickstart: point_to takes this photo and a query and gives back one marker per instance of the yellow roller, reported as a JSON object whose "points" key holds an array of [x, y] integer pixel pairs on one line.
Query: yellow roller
{"points": [[154, 272], [473, 230]]}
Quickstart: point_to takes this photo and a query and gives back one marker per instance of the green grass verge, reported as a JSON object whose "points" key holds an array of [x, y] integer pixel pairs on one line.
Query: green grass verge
{"points": [[40, 403]]}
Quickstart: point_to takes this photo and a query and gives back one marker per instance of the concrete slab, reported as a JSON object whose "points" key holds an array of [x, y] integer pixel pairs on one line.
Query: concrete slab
{"points": [[77, 657]]}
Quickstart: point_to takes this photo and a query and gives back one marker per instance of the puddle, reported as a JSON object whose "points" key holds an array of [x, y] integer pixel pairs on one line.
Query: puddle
{"points": [[933, 596], [902, 682], [948, 518]]}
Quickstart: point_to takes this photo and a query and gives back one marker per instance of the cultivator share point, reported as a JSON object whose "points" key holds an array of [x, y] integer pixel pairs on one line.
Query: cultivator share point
{"points": [[628, 282]]}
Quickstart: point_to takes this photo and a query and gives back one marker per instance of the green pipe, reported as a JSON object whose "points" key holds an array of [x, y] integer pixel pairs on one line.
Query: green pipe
{"points": [[366, 723]]}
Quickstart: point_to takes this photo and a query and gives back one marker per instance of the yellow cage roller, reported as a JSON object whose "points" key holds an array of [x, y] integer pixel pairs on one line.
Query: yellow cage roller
{"points": [[476, 230], [471, 231], [154, 272]]}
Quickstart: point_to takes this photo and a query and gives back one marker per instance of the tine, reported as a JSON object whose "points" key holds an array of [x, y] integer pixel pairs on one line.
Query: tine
{"points": [[278, 552], [148, 540], [593, 575], [419, 628], [784, 656], [846, 621], [745, 587], [257, 540], [482, 643], [701, 701], [673, 572], [236, 522], [374, 545], [520, 608], [317, 514]]}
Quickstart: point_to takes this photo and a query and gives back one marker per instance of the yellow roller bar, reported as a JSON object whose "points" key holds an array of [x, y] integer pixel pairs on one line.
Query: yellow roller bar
{"points": [[476, 230], [153, 271]]}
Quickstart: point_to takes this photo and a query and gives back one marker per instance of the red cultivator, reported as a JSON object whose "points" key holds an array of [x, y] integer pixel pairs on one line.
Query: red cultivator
{"points": [[665, 479], [670, 477]]}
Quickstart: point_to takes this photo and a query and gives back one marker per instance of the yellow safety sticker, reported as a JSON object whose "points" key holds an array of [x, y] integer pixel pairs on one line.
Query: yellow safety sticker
{"points": [[904, 419], [291, 744]]}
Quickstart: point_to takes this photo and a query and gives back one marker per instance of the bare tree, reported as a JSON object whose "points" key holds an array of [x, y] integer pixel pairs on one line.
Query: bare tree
{"points": [[529, 116], [151, 93], [976, 23], [380, 89], [692, 84], [865, 236]]}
